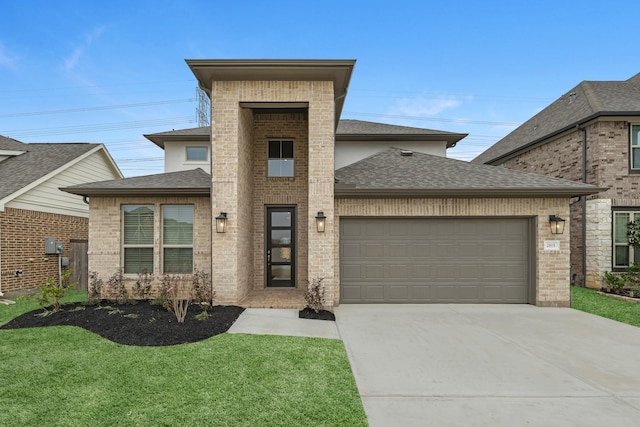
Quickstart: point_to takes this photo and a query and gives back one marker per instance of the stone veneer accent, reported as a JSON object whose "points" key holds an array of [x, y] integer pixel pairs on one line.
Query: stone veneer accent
{"points": [[607, 167], [22, 234], [233, 133], [551, 267], [105, 242]]}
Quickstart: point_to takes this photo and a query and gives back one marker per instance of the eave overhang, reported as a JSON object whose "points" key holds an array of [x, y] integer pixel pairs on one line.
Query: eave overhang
{"points": [[337, 71]]}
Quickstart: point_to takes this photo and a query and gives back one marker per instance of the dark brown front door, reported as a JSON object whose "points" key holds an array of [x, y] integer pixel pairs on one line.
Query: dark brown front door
{"points": [[280, 256]]}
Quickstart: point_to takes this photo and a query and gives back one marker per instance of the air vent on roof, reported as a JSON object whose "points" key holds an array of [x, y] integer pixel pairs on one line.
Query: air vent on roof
{"points": [[406, 153], [572, 97]]}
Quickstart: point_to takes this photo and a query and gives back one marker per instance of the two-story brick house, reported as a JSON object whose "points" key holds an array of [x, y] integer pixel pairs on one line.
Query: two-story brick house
{"points": [[266, 210], [591, 134]]}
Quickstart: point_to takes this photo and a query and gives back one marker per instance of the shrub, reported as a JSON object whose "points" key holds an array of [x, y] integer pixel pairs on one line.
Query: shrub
{"points": [[202, 290], [314, 294], [116, 290], [142, 287], [95, 287], [614, 282], [53, 291], [177, 298]]}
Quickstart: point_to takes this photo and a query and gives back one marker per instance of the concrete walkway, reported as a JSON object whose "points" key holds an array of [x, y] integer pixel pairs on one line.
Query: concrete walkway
{"points": [[274, 321], [491, 365]]}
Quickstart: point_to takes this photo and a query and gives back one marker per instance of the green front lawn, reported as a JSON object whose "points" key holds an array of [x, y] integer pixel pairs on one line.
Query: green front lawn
{"points": [[67, 376], [589, 300]]}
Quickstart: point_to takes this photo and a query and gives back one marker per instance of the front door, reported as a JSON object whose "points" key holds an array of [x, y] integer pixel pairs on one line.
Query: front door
{"points": [[280, 256]]}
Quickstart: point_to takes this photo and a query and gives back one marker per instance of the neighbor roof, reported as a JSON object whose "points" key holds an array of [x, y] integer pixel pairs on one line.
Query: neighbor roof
{"points": [[348, 130], [400, 173], [38, 161], [188, 183], [584, 102], [336, 70]]}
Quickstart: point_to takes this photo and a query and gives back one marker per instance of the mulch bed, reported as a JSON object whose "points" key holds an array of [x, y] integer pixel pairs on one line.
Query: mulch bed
{"points": [[141, 324], [308, 313]]}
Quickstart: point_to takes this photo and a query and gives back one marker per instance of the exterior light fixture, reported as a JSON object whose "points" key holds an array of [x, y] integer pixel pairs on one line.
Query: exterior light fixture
{"points": [[320, 221], [221, 223], [557, 224]]}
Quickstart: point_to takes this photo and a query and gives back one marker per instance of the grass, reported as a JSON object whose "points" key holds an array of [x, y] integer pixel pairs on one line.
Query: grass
{"points": [[589, 300], [67, 376]]}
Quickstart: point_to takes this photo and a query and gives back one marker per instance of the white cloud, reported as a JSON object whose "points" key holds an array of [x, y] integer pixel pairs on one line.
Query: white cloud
{"points": [[7, 60], [72, 61], [426, 107]]}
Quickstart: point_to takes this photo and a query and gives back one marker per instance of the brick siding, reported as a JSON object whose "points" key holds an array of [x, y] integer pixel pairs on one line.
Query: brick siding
{"points": [[22, 234]]}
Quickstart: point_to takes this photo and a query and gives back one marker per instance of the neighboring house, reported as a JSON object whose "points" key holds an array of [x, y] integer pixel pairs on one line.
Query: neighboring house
{"points": [[33, 208], [591, 134], [396, 222]]}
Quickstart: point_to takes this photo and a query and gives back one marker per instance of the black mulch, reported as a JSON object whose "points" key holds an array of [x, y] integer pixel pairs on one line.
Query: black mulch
{"points": [[308, 313], [141, 324]]}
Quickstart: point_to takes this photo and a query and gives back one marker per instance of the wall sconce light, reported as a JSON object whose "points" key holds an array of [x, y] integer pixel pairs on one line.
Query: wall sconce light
{"points": [[221, 223], [557, 224], [320, 221]]}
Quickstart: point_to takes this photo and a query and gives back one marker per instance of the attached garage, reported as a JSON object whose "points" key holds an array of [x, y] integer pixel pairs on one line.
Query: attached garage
{"points": [[435, 260]]}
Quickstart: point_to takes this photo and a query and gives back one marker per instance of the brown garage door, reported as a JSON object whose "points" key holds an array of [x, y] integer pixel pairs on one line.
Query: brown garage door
{"points": [[434, 260]]}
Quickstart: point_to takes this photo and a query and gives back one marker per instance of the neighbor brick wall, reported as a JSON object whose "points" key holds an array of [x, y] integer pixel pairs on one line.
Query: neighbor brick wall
{"points": [[552, 267], [607, 167], [231, 182], [105, 233], [22, 234]]}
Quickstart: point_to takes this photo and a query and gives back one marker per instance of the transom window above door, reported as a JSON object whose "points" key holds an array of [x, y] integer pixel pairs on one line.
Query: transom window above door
{"points": [[280, 161]]}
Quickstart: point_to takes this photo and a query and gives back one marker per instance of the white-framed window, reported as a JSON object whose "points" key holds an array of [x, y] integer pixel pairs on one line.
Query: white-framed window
{"points": [[634, 150], [624, 254], [197, 154], [137, 241], [177, 239], [280, 161]]}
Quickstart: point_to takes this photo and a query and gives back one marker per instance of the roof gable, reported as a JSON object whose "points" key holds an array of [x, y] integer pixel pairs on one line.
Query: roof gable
{"points": [[584, 102]]}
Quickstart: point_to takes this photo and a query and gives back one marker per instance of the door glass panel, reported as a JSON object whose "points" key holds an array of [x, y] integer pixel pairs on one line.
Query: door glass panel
{"points": [[281, 237], [280, 272], [280, 219], [282, 254]]}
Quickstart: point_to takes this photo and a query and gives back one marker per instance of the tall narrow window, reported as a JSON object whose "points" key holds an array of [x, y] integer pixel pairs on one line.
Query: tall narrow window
{"points": [[280, 158], [635, 147], [177, 239], [623, 254], [137, 238]]}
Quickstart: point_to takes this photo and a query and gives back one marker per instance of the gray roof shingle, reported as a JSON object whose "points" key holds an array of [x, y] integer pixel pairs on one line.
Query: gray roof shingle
{"points": [[391, 173], [587, 100], [190, 182], [38, 161]]}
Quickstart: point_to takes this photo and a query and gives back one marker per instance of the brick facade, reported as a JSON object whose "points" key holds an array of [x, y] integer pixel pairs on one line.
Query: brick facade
{"points": [[105, 234], [551, 267], [239, 186], [22, 235], [607, 165]]}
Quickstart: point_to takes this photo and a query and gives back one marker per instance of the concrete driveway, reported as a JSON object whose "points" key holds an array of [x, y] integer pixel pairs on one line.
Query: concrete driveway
{"points": [[491, 365]]}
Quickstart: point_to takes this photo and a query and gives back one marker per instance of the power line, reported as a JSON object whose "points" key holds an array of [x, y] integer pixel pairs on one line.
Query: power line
{"points": [[106, 107]]}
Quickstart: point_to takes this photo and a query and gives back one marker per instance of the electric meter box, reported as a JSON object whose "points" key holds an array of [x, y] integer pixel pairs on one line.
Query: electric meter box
{"points": [[51, 247]]}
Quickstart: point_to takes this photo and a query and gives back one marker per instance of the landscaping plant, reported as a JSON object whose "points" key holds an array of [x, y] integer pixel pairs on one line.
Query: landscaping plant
{"points": [[202, 289], [53, 291], [177, 298], [142, 287], [314, 294]]}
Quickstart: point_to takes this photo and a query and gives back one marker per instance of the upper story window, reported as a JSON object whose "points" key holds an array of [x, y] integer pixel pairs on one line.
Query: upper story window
{"points": [[280, 158], [197, 154], [137, 241], [635, 147], [624, 254]]}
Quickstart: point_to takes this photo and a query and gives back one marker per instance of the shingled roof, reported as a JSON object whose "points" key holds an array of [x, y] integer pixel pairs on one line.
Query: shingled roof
{"points": [[348, 130], [584, 102], [187, 183], [400, 173], [37, 161]]}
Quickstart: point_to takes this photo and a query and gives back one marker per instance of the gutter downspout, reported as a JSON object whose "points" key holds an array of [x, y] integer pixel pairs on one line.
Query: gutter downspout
{"points": [[584, 207]]}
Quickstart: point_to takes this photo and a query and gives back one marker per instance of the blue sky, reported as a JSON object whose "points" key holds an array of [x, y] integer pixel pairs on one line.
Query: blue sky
{"points": [[109, 72]]}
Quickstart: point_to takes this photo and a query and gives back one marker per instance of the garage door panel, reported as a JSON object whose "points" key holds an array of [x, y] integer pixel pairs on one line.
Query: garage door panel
{"points": [[434, 260]]}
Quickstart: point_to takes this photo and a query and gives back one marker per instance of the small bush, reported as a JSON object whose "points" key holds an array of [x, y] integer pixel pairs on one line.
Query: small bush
{"points": [[202, 290], [614, 282], [95, 288], [116, 290], [51, 293], [178, 299], [314, 294], [142, 287]]}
